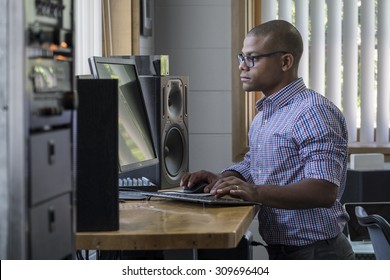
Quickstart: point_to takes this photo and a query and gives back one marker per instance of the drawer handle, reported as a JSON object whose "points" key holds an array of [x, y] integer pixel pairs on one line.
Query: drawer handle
{"points": [[51, 219], [51, 152]]}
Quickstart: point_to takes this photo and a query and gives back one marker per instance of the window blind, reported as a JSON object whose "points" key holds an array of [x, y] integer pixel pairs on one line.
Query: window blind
{"points": [[88, 33], [346, 57]]}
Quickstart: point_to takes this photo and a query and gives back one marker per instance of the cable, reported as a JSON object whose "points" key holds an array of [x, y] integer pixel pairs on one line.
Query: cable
{"points": [[257, 243], [79, 255]]}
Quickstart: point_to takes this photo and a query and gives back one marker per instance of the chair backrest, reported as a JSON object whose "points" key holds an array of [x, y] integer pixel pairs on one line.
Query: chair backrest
{"points": [[379, 231]]}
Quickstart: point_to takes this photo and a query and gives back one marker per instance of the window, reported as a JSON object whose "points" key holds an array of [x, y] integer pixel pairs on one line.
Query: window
{"points": [[346, 58], [105, 28], [88, 33], [120, 27]]}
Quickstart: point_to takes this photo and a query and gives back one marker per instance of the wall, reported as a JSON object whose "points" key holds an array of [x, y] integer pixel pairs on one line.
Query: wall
{"points": [[3, 132], [13, 243], [146, 43], [197, 37]]}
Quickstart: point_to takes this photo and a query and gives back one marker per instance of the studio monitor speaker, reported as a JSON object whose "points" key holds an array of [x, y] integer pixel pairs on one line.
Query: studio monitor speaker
{"points": [[97, 206], [166, 104]]}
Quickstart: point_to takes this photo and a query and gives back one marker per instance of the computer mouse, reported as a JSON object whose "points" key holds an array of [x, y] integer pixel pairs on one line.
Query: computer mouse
{"points": [[197, 188]]}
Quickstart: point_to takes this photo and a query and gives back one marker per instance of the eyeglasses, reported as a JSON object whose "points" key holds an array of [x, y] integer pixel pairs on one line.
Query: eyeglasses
{"points": [[250, 60]]}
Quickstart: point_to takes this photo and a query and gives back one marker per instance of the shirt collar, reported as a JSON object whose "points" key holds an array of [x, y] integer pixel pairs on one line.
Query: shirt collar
{"points": [[283, 96]]}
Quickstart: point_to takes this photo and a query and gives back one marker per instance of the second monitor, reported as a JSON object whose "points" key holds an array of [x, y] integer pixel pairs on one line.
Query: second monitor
{"points": [[137, 154]]}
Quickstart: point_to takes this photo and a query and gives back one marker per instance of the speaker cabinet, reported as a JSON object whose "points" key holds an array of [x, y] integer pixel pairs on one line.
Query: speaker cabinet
{"points": [[166, 104], [367, 186], [97, 207]]}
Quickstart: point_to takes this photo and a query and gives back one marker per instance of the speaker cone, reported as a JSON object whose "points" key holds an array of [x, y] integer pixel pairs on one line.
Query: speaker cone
{"points": [[175, 101], [174, 152]]}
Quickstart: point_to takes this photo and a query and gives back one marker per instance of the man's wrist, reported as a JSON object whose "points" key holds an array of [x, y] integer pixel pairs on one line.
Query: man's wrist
{"points": [[228, 173]]}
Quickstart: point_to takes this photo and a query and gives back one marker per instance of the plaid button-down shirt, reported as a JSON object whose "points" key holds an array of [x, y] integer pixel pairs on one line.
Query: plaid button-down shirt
{"points": [[297, 134]]}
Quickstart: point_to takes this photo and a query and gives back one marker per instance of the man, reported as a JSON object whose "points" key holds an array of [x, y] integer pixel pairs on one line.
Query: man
{"points": [[297, 161]]}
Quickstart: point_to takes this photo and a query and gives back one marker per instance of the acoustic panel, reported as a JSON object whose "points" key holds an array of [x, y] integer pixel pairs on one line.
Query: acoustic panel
{"points": [[97, 206]]}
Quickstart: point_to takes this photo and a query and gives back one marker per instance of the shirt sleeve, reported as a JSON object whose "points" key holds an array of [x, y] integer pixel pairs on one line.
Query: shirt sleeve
{"points": [[243, 168], [322, 135]]}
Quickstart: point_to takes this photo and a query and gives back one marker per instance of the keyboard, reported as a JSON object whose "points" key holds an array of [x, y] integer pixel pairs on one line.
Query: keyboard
{"points": [[138, 184], [197, 198]]}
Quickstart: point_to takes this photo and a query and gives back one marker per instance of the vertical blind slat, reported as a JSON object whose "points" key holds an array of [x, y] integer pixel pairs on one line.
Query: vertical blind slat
{"points": [[88, 30], [302, 24], [333, 52], [350, 67], [285, 7], [268, 10], [367, 76], [382, 132], [317, 47]]}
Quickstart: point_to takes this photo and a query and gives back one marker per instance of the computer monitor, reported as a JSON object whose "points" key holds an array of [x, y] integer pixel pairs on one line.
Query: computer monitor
{"points": [[136, 149]]}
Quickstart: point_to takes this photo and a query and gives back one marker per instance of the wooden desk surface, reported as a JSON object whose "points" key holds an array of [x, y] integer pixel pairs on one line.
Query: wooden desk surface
{"points": [[160, 224]]}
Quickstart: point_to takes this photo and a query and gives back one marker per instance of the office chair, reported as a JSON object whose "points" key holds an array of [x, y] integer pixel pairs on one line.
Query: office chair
{"points": [[379, 231]]}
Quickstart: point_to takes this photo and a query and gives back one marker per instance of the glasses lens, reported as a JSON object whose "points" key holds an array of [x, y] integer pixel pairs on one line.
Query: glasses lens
{"points": [[240, 58], [247, 60]]}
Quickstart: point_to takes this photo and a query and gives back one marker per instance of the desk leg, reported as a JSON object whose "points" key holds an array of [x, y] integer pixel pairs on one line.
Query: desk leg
{"points": [[194, 254]]}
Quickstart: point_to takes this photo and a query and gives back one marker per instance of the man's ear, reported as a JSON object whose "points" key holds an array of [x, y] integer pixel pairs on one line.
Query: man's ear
{"points": [[287, 61]]}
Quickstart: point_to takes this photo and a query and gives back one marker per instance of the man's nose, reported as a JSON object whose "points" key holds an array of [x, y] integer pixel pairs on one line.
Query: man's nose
{"points": [[242, 66]]}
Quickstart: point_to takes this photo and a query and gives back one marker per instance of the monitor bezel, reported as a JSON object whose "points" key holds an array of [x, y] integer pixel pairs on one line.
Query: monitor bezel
{"points": [[93, 61]]}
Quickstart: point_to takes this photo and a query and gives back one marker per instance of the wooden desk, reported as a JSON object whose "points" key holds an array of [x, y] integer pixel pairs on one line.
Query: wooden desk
{"points": [[160, 224]]}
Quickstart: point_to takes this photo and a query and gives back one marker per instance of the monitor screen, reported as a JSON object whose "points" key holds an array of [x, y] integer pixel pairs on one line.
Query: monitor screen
{"points": [[136, 148]]}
